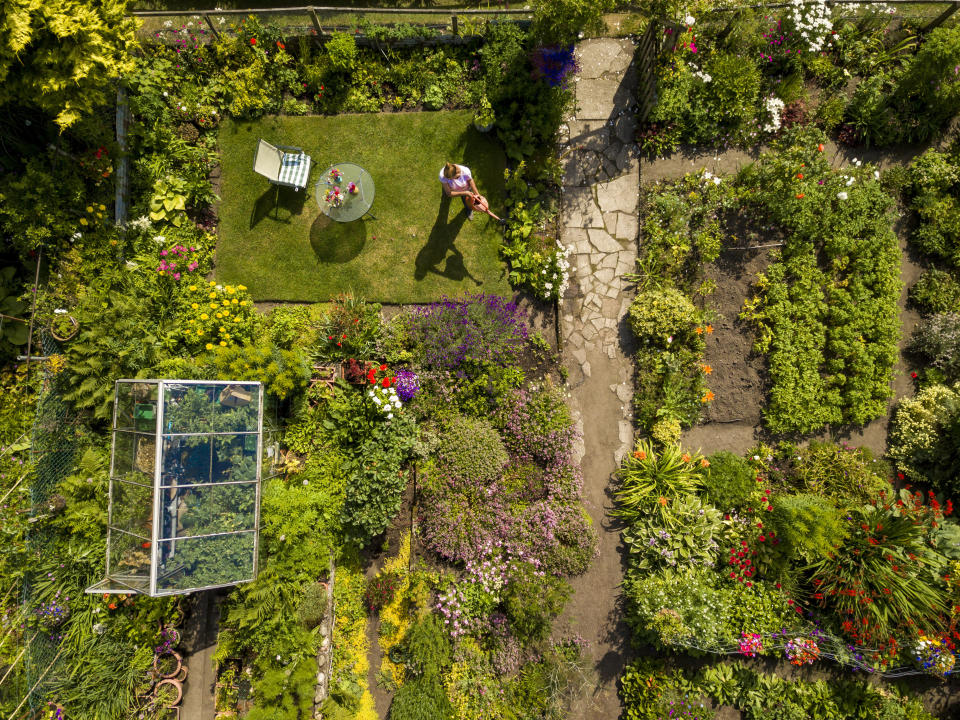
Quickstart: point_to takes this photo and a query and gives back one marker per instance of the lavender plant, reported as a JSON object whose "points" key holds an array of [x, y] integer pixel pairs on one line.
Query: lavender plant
{"points": [[463, 335]]}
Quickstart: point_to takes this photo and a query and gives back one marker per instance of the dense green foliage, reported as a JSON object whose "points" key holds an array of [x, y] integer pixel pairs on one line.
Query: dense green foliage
{"points": [[826, 310], [819, 547], [742, 80], [649, 690], [64, 58]]}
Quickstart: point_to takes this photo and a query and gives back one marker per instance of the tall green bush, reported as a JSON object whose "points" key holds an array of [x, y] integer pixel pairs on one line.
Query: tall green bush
{"points": [[729, 480], [925, 437]]}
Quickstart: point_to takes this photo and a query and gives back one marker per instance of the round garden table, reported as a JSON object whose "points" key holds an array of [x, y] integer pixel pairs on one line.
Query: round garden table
{"points": [[345, 192]]}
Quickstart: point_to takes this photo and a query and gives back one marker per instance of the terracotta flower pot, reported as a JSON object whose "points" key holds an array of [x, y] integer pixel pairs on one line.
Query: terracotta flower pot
{"points": [[176, 656], [177, 695], [67, 335]]}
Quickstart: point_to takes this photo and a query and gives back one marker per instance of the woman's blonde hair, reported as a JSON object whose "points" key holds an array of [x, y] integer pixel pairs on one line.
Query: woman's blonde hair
{"points": [[450, 171]]}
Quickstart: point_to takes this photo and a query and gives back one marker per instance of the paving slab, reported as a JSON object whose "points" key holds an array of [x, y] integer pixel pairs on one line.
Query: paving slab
{"points": [[627, 225], [603, 242], [595, 98], [589, 135], [601, 56], [610, 223], [580, 209], [604, 275], [620, 194]]}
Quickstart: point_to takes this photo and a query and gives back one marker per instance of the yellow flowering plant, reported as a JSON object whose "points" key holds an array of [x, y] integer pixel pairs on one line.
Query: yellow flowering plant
{"points": [[213, 315]]}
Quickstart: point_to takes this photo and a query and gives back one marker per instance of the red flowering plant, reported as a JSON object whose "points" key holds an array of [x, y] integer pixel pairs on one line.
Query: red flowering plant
{"points": [[97, 164], [754, 548], [351, 328], [882, 581]]}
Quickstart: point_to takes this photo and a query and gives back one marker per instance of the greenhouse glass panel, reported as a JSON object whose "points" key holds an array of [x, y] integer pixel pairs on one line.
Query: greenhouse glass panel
{"points": [[208, 509], [185, 475], [131, 507], [234, 458], [137, 406], [204, 562], [128, 556], [186, 460], [188, 408]]}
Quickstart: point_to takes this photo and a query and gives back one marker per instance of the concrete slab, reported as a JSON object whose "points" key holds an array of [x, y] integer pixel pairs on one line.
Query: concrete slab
{"points": [[589, 135], [603, 55], [595, 99]]}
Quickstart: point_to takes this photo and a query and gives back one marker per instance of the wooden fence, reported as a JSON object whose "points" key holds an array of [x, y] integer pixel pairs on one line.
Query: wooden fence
{"points": [[322, 20]]}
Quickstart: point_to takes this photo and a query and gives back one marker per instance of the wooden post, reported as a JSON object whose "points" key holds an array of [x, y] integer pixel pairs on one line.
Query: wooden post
{"points": [[453, 24], [939, 20], [316, 21], [213, 29]]}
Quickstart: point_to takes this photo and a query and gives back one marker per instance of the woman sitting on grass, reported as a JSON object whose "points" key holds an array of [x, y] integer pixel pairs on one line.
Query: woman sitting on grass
{"points": [[458, 181]]}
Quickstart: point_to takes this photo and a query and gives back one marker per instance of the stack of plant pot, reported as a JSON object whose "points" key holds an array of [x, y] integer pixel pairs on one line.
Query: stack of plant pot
{"points": [[325, 654], [168, 674]]}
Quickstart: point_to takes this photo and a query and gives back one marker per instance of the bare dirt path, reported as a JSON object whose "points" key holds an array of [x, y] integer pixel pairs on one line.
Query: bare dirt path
{"points": [[601, 182]]}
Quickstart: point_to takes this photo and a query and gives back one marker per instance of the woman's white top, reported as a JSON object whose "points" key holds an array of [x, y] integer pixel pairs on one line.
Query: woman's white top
{"points": [[458, 183]]}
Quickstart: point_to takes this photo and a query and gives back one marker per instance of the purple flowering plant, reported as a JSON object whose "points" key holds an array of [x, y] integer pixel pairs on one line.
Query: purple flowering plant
{"points": [[407, 385], [462, 335], [556, 65]]}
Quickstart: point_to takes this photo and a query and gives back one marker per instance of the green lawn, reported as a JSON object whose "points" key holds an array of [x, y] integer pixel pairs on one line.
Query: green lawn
{"points": [[418, 248]]}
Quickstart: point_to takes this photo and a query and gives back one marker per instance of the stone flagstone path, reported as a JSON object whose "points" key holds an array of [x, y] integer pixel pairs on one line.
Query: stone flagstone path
{"points": [[599, 216]]}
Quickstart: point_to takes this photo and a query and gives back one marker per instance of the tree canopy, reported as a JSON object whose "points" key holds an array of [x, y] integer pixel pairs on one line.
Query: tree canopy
{"points": [[64, 56]]}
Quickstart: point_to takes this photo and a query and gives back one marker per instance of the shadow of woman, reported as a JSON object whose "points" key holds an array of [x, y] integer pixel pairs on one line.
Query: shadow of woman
{"points": [[440, 247], [335, 242]]}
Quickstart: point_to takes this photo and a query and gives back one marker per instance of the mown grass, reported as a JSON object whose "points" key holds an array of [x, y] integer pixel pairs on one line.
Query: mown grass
{"points": [[418, 249]]}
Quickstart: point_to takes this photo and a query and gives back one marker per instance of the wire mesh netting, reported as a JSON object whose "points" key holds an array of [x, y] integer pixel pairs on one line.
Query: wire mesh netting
{"points": [[53, 449]]}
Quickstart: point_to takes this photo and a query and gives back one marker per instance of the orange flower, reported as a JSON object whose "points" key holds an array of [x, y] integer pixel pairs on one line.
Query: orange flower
{"points": [[112, 606], [800, 175], [706, 369], [709, 329], [699, 331], [662, 500], [820, 147], [685, 457], [640, 455], [704, 463], [799, 196], [708, 397]]}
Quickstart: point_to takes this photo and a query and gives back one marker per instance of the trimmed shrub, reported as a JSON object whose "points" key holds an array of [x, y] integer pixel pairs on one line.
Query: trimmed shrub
{"points": [[729, 480], [470, 448], [662, 316]]}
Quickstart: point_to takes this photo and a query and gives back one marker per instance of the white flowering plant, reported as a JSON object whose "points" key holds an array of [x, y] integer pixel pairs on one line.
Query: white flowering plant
{"points": [[385, 400], [536, 260]]}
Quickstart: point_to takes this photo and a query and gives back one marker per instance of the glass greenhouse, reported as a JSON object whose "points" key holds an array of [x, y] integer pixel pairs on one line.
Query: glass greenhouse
{"points": [[184, 486]]}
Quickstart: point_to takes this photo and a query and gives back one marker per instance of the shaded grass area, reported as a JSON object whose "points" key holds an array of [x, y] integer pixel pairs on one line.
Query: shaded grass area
{"points": [[418, 249]]}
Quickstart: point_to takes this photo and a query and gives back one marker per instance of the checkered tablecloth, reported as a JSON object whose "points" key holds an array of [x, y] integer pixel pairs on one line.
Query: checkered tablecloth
{"points": [[294, 170]]}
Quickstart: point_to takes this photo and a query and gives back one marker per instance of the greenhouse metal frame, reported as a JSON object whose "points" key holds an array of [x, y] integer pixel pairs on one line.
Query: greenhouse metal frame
{"points": [[185, 476]]}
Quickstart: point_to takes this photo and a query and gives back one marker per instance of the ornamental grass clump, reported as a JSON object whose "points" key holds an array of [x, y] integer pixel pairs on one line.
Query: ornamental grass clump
{"points": [[882, 579], [648, 477]]}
